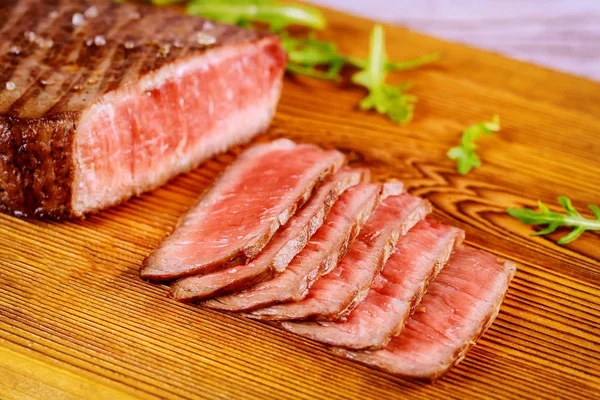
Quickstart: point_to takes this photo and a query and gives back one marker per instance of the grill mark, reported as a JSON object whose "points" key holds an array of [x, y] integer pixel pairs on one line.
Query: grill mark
{"points": [[60, 50], [120, 66], [34, 52], [54, 57], [27, 22], [88, 58], [7, 11], [159, 60], [154, 62], [145, 52], [153, 59], [123, 60]]}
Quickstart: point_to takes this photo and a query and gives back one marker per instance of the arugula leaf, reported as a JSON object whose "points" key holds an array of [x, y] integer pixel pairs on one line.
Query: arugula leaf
{"points": [[304, 55], [241, 12], [385, 99], [464, 154], [307, 55], [555, 220]]}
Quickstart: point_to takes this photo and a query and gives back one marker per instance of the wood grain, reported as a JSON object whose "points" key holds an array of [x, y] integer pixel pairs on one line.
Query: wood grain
{"points": [[71, 302]]}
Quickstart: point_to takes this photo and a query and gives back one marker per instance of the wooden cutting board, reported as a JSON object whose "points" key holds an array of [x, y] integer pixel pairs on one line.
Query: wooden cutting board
{"points": [[77, 322]]}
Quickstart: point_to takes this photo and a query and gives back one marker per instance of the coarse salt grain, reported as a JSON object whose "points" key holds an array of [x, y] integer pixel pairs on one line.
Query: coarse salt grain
{"points": [[78, 19], [99, 40], [205, 39], [135, 15], [207, 25], [53, 14], [45, 43], [14, 50], [91, 12], [129, 45], [164, 49], [30, 36], [10, 86]]}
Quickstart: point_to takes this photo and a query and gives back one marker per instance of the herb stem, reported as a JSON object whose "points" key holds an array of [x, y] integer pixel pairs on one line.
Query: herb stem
{"points": [[554, 220], [400, 65], [311, 72]]}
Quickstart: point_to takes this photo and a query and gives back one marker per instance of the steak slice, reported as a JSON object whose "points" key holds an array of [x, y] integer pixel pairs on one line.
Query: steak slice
{"points": [[418, 258], [321, 254], [238, 216], [96, 109], [461, 303], [284, 245], [334, 295]]}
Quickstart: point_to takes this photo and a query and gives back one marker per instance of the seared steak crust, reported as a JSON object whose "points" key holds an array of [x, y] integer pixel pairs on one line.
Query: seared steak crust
{"points": [[36, 165], [57, 60]]}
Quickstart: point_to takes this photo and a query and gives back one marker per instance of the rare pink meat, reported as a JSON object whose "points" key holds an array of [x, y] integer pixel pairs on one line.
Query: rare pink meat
{"points": [[238, 216], [284, 245], [320, 255], [461, 303], [418, 258], [337, 293]]}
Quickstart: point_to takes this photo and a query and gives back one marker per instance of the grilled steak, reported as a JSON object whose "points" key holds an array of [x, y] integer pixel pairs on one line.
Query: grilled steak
{"points": [[320, 255], [461, 303], [418, 258], [100, 101], [238, 216], [284, 245], [337, 293]]}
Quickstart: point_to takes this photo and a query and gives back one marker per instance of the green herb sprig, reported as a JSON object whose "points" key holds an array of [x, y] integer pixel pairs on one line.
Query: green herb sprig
{"points": [[554, 220], [313, 56], [386, 99], [464, 154], [242, 12], [306, 55]]}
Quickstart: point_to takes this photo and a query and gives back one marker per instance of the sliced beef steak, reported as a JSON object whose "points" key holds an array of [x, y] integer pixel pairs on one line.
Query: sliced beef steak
{"points": [[334, 295], [418, 258], [461, 303], [237, 217], [320, 255], [284, 245], [96, 109]]}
